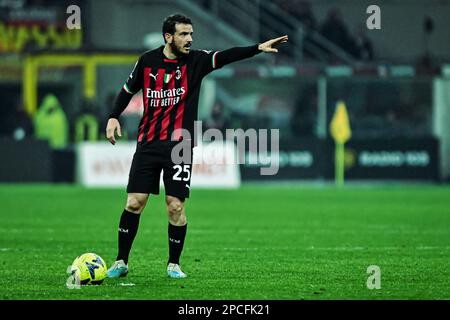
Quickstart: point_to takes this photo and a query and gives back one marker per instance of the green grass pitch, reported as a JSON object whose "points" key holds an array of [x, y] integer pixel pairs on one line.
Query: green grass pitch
{"points": [[285, 242]]}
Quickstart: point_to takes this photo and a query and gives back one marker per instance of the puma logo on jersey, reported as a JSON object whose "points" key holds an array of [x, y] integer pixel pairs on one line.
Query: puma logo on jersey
{"points": [[153, 76]]}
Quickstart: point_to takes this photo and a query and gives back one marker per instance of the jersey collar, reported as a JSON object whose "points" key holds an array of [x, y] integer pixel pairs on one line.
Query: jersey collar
{"points": [[167, 60]]}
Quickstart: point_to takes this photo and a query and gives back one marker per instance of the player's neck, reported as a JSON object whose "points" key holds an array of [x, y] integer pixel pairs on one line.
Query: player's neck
{"points": [[168, 53]]}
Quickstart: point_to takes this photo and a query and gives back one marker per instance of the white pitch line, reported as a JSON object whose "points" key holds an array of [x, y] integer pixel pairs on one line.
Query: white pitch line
{"points": [[433, 247], [355, 248], [378, 248], [241, 249]]}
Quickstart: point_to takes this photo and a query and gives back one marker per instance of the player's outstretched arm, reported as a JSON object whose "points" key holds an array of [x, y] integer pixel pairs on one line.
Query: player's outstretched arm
{"points": [[111, 128], [269, 45], [239, 53]]}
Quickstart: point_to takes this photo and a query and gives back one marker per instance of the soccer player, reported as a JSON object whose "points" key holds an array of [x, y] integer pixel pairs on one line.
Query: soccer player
{"points": [[170, 79]]}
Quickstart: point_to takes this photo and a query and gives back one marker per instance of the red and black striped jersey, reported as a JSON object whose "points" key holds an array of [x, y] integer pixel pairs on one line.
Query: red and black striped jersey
{"points": [[171, 88]]}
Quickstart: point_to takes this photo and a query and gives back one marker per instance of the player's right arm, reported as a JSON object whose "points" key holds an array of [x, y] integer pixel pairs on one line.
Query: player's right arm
{"points": [[131, 86]]}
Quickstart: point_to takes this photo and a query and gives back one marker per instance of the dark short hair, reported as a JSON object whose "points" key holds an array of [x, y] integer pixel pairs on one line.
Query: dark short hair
{"points": [[170, 22]]}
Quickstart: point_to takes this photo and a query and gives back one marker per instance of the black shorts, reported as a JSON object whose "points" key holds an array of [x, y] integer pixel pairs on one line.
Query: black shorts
{"points": [[148, 162]]}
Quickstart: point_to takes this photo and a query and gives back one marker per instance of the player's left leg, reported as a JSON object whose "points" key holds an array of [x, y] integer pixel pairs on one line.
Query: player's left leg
{"points": [[177, 180], [176, 233]]}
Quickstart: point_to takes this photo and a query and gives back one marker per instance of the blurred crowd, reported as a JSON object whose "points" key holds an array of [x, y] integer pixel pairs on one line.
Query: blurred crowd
{"points": [[354, 42], [52, 122]]}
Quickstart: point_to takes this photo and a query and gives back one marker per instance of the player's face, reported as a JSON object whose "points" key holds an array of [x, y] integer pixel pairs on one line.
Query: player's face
{"points": [[181, 40]]}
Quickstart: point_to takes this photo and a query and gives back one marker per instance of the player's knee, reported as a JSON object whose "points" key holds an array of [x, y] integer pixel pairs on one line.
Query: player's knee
{"points": [[175, 210], [135, 204], [175, 207]]}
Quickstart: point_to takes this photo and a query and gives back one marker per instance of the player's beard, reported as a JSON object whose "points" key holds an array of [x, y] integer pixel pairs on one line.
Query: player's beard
{"points": [[176, 50]]}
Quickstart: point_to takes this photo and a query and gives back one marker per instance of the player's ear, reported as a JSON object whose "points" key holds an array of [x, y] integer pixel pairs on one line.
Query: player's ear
{"points": [[168, 37]]}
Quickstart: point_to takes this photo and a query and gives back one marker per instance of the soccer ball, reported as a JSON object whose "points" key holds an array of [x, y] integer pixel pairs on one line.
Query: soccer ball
{"points": [[90, 268]]}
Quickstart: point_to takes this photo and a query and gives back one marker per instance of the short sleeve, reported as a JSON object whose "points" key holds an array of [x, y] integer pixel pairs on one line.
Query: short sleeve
{"points": [[134, 81], [207, 61]]}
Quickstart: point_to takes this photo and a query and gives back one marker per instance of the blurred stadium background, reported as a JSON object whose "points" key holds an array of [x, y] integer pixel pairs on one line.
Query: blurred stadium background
{"points": [[57, 86], [394, 82]]}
